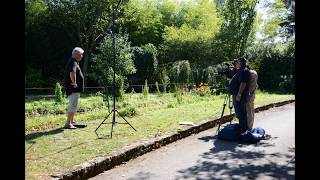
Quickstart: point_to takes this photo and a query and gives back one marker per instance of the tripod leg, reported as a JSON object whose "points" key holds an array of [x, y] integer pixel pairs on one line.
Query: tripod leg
{"points": [[125, 120], [103, 121], [224, 106], [113, 121], [230, 106], [220, 118]]}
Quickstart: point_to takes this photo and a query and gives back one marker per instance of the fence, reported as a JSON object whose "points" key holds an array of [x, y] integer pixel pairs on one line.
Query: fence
{"points": [[48, 92]]}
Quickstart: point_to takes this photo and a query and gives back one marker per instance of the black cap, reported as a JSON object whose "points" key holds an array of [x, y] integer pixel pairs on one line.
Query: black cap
{"points": [[242, 60], [234, 61]]}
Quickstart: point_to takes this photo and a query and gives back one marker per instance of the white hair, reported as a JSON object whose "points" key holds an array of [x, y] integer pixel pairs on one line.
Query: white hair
{"points": [[77, 49]]}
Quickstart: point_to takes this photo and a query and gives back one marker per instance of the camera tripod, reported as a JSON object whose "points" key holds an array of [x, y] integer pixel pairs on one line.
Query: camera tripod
{"points": [[227, 99]]}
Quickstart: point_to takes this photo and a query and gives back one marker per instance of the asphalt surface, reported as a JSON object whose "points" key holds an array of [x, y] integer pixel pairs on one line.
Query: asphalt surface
{"points": [[202, 156]]}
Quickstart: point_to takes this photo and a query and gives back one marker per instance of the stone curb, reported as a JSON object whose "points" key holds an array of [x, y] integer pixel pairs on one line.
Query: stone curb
{"points": [[101, 164]]}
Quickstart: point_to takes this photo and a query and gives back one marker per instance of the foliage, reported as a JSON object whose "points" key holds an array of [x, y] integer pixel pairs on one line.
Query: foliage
{"points": [[185, 72], [203, 89], [129, 112], [54, 27], [208, 75], [157, 87], [191, 39], [143, 22], [145, 89], [119, 87], [278, 24], [178, 94], [272, 64], [238, 22], [33, 78], [203, 33], [172, 13], [180, 72], [59, 98], [163, 77], [146, 63], [48, 106], [102, 62]]}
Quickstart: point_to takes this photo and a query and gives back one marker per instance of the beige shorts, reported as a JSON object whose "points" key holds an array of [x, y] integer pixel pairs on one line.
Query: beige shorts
{"points": [[73, 102]]}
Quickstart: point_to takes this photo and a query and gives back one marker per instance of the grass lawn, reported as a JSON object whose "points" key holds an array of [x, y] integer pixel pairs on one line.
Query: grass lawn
{"points": [[55, 150]]}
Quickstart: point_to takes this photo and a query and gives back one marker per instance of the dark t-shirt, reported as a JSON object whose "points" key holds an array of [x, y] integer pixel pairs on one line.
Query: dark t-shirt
{"points": [[73, 66], [242, 75]]}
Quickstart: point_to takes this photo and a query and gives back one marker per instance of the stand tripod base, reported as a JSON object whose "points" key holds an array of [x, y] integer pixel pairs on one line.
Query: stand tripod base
{"points": [[113, 122], [227, 99]]}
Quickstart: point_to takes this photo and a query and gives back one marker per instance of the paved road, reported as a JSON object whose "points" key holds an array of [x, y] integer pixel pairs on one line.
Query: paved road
{"points": [[202, 156]]}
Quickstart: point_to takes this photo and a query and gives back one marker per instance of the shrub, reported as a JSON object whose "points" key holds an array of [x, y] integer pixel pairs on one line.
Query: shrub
{"points": [[58, 94], [203, 89], [119, 85], [178, 95], [145, 89], [157, 87], [170, 106], [287, 84], [129, 112]]}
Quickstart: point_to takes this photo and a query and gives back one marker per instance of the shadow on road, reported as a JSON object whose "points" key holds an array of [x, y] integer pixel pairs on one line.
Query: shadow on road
{"points": [[144, 175], [232, 160]]}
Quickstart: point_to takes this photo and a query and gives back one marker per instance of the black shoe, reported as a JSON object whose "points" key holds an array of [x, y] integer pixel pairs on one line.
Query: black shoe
{"points": [[80, 125]]}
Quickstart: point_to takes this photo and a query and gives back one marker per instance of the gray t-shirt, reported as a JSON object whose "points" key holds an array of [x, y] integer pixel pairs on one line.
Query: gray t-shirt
{"points": [[253, 81]]}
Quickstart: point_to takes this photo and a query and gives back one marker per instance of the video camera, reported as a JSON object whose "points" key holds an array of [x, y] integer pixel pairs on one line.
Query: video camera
{"points": [[228, 70]]}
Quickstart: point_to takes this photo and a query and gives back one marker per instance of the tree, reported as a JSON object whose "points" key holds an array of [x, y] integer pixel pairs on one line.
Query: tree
{"points": [[171, 13], [191, 40], [238, 22], [102, 62], [273, 62], [279, 24], [185, 72], [180, 72], [146, 63], [142, 22], [82, 21], [36, 13]]}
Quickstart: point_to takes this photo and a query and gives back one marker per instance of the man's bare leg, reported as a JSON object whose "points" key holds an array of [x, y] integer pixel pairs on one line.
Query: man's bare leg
{"points": [[70, 119]]}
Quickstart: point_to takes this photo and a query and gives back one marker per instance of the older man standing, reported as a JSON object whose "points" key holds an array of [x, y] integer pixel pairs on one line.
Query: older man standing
{"points": [[74, 85]]}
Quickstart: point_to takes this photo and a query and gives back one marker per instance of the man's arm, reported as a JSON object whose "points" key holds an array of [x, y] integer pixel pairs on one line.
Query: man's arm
{"points": [[241, 88], [244, 77], [73, 77]]}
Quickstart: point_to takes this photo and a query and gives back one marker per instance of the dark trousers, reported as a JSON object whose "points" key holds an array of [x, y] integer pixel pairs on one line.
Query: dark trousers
{"points": [[240, 109]]}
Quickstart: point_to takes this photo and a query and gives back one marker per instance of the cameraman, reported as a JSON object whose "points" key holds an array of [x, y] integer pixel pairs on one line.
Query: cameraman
{"points": [[239, 89]]}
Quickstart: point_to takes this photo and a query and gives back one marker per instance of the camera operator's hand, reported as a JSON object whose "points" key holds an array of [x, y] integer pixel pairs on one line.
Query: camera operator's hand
{"points": [[238, 97]]}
